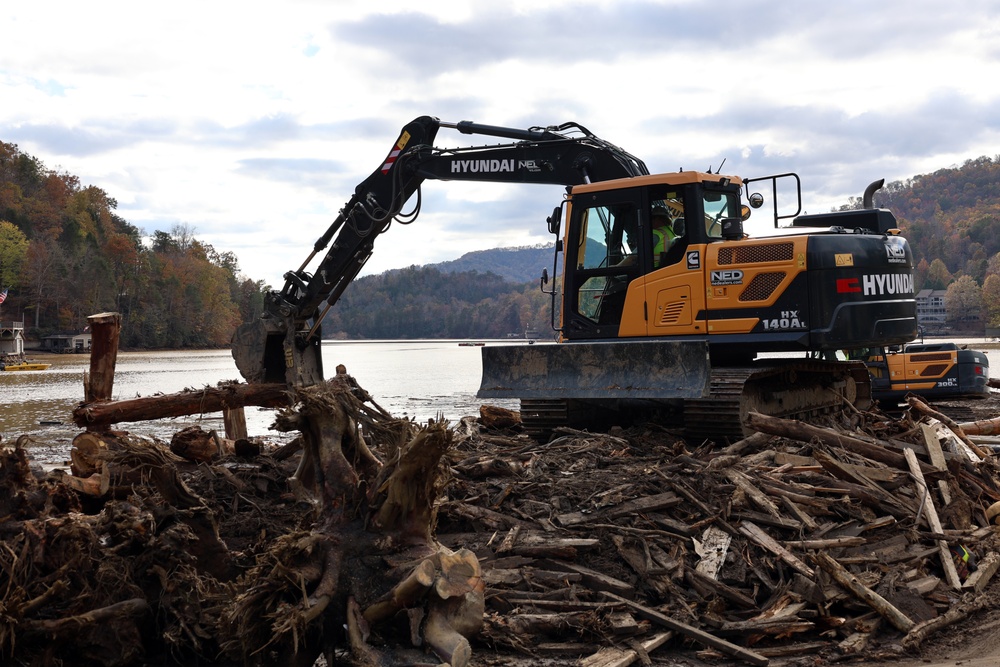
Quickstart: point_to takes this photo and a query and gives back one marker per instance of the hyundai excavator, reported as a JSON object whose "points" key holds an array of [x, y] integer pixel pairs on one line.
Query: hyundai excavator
{"points": [[931, 370], [642, 325]]}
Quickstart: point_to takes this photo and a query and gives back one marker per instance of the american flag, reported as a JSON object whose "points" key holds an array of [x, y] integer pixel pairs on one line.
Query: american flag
{"points": [[3, 296]]}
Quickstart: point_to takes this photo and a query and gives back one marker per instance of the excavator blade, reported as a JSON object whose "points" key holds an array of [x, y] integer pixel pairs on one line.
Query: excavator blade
{"points": [[620, 369]]}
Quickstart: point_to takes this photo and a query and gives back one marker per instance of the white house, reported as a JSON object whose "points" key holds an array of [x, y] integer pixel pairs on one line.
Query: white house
{"points": [[12, 338], [80, 342]]}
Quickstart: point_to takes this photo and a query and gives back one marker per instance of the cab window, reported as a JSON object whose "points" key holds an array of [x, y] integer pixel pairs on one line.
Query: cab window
{"points": [[718, 207], [605, 239], [607, 256]]}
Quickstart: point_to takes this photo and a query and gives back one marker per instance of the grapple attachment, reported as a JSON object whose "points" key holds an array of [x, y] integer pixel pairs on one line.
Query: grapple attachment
{"points": [[270, 350]]}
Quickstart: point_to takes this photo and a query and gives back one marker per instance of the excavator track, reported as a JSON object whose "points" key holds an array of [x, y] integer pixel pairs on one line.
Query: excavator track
{"points": [[540, 416], [794, 388]]}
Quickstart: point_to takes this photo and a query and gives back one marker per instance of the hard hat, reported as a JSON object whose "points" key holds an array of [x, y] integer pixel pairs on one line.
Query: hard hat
{"points": [[659, 210]]}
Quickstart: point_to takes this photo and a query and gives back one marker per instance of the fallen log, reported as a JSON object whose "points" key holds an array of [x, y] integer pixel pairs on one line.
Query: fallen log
{"points": [[796, 430], [181, 404], [851, 583], [700, 636], [981, 427]]}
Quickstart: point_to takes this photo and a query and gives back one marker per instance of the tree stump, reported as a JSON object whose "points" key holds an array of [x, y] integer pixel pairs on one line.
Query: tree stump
{"points": [[371, 562]]}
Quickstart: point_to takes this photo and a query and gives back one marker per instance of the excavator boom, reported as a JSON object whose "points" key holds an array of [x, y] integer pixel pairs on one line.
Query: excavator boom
{"points": [[283, 345]]}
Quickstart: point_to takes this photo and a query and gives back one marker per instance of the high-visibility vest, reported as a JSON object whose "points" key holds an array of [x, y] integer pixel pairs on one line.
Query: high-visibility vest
{"points": [[662, 236]]}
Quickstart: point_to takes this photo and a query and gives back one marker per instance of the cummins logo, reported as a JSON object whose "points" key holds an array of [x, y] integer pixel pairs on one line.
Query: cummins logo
{"points": [[728, 277]]}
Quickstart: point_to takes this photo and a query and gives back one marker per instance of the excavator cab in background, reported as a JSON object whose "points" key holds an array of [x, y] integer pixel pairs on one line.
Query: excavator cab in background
{"points": [[647, 319]]}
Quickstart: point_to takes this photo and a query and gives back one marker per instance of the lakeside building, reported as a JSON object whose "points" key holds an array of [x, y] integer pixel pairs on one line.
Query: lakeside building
{"points": [[79, 343], [931, 314], [11, 338]]}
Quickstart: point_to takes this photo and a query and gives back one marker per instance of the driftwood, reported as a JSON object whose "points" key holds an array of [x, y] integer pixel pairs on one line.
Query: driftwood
{"points": [[365, 508], [981, 427], [72, 624], [600, 547], [922, 407], [183, 403], [195, 444], [898, 619], [706, 638], [622, 657], [919, 633], [951, 574], [797, 430]]}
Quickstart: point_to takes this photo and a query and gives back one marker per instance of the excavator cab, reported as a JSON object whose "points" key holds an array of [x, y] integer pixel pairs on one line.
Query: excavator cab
{"points": [[617, 249]]}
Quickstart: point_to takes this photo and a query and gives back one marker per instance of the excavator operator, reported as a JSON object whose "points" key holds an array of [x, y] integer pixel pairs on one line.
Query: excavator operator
{"points": [[663, 233]]}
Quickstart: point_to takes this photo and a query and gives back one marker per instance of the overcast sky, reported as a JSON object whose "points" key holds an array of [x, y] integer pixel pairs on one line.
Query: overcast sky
{"points": [[251, 122]]}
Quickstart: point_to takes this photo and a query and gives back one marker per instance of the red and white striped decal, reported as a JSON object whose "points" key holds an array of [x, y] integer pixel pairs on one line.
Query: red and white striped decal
{"points": [[389, 160]]}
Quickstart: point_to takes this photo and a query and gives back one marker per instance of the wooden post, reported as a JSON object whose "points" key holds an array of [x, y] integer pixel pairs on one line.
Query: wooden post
{"points": [[236, 423], [104, 328]]}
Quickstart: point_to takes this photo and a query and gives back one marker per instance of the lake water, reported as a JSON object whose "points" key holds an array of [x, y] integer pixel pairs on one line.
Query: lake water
{"points": [[417, 379]]}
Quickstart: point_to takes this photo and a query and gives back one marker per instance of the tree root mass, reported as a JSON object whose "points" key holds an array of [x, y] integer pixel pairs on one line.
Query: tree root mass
{"points": [[378, 541]]}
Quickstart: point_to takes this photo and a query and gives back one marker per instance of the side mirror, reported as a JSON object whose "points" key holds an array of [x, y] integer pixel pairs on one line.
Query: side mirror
{"points": [[756, 200], [744, 212], [553, 220], [732, 229], [545, 277]]}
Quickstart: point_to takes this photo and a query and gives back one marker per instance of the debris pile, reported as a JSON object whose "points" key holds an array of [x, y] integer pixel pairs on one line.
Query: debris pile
{"points": [[854, 535], [865, 534]]}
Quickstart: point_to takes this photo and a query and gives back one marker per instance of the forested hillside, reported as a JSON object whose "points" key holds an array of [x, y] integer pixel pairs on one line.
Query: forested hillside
{"points": [[425, 302], [952, 215], [518, 265], [952, 220], [65, 254]]}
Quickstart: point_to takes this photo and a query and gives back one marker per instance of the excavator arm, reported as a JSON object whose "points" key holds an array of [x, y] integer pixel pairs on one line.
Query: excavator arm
{"points": [[283, 345]]}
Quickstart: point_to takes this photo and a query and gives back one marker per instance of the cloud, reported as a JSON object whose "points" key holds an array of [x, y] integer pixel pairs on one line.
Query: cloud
{"points": [[254, 125], [91, 137]]}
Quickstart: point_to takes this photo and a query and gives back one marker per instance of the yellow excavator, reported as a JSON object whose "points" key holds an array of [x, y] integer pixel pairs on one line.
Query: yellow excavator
{"points": [[939, 370], [705, 326]]}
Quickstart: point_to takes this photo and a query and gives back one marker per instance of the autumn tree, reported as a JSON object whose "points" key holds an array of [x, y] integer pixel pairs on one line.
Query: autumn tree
{"points": [[42, 283], [991, 300], [13, 249], [938, 276], [963, 301]]}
